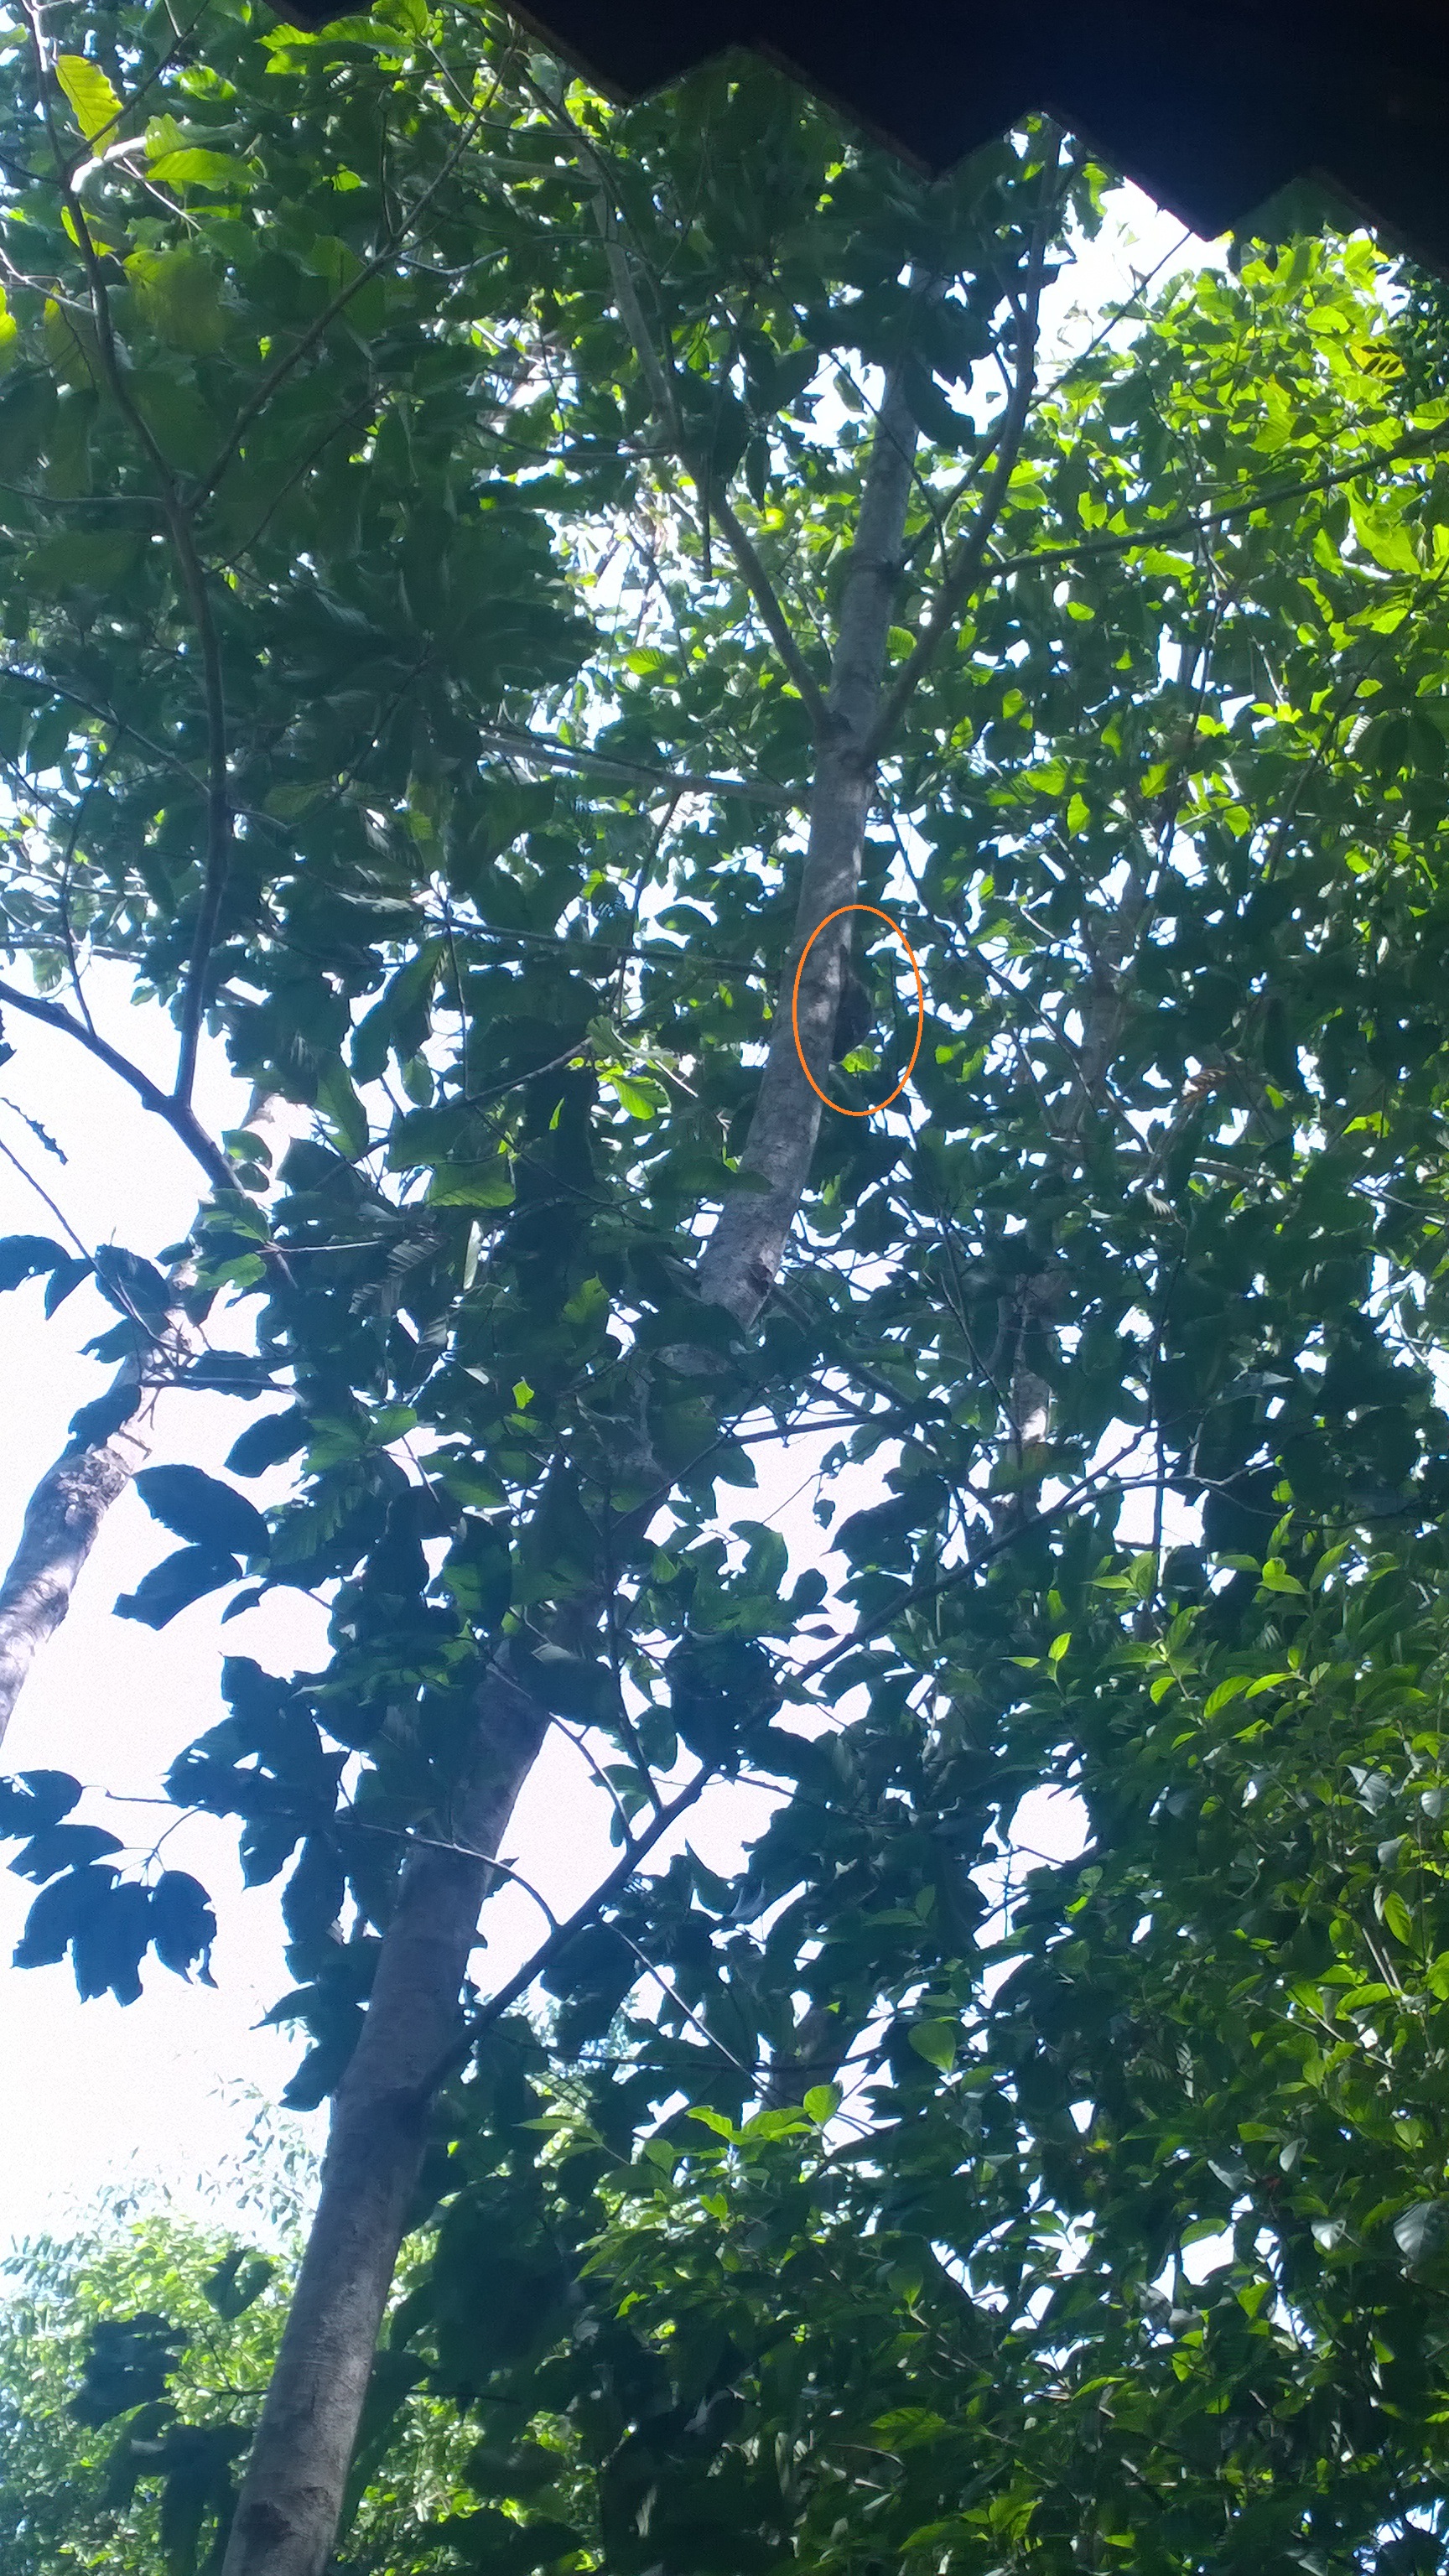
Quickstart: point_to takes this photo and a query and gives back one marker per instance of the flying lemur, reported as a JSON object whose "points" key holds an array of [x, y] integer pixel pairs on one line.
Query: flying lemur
{"points": [[855, 1013]]}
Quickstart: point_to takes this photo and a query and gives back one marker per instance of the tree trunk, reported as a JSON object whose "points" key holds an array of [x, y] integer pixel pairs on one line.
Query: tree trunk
{"points": [[287, 2515], [292, 2492], [744, 1252], [62, 1520]]}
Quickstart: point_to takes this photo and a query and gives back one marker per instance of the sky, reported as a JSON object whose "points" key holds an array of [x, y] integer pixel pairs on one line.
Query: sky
{"points": [[156, 2094]]}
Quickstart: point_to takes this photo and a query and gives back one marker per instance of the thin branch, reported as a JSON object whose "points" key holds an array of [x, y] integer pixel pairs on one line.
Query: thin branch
{"points": [[178, 1114], [547, 1951], [706, 2034], [193, 578], [659, 376], [1190, 523], [464, 1851], [599, 1774], [970, 556], [53, 688], [1094, 1482], [546, 749], [41, 1192], [757, 582], [277, 375]]}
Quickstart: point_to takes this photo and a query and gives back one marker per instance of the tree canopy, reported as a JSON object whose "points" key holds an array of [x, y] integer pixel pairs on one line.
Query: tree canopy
{"points": [[518, 615]]}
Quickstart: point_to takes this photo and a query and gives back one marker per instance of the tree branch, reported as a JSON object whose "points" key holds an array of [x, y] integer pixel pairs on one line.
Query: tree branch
{"points": [[544, 748], [277, 375], [757, 582], [970, 555], [659, 376], [178, 521], [744, 1252], [559, 1939], [62, 1521], [1190, 523], [178, 1114]]}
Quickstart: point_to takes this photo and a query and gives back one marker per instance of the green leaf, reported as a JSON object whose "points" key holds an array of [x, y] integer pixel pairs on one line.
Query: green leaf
{"points": [[487, 1184], [28, 1256], [716, 2120], [203, 1511], [1422, 2231], [196, 168], [175, 1583], [1225, 1693], [1276, 1577], [176, 292], [936, 2041], [1398, 1918], [92, 99], [183, 1926], [343, 1112]]}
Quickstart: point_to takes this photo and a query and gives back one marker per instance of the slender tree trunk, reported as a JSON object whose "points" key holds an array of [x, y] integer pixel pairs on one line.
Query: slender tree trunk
{"points": [[62, 1521], [292, 2494], [744, 1252], [287, 2515]]}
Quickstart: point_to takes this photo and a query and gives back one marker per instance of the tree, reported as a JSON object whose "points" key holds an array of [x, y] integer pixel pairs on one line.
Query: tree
{"points": [[132, 2360], [531, 569]]}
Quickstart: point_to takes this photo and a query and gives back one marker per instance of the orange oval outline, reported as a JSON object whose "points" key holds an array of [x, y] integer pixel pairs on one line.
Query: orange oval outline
{"points": [[895, 927]]}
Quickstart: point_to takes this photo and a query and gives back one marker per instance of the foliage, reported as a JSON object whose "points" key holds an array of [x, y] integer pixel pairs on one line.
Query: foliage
{"points": [[132, 2358], [961, 2317], [410, 463]]}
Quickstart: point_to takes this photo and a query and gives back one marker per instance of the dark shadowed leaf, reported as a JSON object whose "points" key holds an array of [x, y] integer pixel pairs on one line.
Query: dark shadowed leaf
{"points": [[175, 1583]]}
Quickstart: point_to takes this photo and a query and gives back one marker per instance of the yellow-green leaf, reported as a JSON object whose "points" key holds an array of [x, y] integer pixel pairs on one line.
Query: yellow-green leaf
{"points": [[1231, 1689], [177, 295], [198, 169], [93, 102]]}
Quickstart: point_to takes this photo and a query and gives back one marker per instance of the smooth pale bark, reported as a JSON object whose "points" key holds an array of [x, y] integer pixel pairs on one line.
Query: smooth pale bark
{"points": [[287, 2515], [62, 1521], [743, 1256], [291, 2498]]}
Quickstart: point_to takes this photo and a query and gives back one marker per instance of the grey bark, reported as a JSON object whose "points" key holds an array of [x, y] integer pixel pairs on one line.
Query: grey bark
{"points": [[287, 2513], [62, 1520], [744, 1252]]}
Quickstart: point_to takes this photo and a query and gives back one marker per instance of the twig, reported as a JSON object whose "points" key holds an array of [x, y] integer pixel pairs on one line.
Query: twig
{"points": [[546, 749], [619, 1876], [42, 1193], [757, 582]]}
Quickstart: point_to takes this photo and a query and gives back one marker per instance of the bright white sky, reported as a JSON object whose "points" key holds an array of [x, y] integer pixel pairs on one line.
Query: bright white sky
{"points": [[96, 2093]]}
